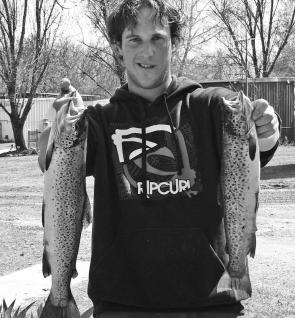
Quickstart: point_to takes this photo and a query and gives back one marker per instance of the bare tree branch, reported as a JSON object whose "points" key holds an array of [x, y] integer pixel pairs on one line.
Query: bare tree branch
{"points": [[98, 12], [268, 23], [5, 110], [93, 79]]}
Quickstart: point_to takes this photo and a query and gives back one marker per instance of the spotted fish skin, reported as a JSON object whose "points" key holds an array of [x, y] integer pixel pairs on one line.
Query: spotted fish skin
{"points": [[65, 206], [240, 185]]}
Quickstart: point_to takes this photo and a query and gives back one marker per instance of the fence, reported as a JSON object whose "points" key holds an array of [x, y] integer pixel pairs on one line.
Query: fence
{"points": [[279, 92]]}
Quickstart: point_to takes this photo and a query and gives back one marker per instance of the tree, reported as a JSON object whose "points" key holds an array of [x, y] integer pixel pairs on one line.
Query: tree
{"points": [[255, 31], [285, 65], [105, 52], [25, 54], [70, 60], [197, 30]]}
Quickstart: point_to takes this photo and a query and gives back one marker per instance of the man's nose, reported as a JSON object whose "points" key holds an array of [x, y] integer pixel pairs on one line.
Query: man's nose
{"points": [[147, 49]]}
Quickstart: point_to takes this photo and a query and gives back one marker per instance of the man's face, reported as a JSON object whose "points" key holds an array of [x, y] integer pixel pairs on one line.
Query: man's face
{"points": [[146, 51], [65, 86]]}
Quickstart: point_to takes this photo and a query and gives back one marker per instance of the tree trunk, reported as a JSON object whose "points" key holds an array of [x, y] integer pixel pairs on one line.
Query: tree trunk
{"points": [[183, 62], [17, 128]]}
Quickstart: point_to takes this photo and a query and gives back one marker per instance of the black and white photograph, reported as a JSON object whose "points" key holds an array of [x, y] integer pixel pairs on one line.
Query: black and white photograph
{"points": [[147, 158]]}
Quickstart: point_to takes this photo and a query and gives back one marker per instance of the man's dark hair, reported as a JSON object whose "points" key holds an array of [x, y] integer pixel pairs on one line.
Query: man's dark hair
{"points": [[125, 15]]}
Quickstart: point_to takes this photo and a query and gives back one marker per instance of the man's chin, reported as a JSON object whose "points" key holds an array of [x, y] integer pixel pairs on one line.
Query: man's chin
{"points": [[150, 84], [147, 83]]}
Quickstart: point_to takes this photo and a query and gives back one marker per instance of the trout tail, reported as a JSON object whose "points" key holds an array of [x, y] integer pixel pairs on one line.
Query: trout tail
{"points": [[69, 311], [240, 288], [236, 283]]}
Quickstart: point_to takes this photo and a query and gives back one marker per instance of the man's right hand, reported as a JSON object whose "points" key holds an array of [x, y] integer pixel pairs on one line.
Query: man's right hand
{"points": [[60, 101]]}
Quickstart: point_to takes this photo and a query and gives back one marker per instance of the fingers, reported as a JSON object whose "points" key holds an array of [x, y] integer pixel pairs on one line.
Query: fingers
{"points": [[261, 107], [265, 119], [268, 129], [71, 118]]}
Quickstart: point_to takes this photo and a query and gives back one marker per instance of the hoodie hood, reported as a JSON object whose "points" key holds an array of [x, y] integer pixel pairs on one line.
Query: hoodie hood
{"points": [[177, 89]]}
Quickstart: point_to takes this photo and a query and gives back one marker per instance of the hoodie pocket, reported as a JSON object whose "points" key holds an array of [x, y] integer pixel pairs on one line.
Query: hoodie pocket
{"points": [[168, 268]]}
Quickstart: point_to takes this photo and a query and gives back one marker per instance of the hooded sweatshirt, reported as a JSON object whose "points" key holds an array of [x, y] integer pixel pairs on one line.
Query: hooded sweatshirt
{"points": [[158, 238]]}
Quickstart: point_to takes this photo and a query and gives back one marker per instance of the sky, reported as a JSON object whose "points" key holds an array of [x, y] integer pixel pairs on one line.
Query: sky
{"points": [[76, 25]]}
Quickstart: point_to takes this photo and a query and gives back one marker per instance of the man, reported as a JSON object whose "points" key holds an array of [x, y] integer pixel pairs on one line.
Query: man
{"points": [[152, 242], [65, 95], [154, 150]]}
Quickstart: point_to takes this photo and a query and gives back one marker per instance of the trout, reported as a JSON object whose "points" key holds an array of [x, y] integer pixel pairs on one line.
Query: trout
{"points": [[240, 175], [66, 206]]}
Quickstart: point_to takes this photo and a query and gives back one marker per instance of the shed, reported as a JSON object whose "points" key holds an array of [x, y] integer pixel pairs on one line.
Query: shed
{"points": [[279, 92], [41, 115]]}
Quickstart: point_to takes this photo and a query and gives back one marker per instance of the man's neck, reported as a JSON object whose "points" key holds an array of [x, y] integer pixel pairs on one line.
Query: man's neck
{"points": [[150, 94]]}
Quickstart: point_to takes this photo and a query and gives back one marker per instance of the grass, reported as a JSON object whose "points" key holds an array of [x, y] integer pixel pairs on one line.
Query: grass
{"points": [[21, 192], [272, 270]]}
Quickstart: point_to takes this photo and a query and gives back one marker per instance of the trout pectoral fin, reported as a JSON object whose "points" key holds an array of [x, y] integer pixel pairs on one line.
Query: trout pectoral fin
{"points": [[45, 265], [252, 147], [75, 273]]}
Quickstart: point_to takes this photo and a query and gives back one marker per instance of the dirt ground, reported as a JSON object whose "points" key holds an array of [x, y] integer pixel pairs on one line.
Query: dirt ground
{"points": [[272, 271]]}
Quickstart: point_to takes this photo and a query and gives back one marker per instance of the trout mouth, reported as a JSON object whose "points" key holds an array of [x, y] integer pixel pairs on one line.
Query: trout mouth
{"points": [[238, 116]]}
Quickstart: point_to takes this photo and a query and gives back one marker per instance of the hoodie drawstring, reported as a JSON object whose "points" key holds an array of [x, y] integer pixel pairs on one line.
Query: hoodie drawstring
{"points": [[144, 152], [144, 177], [173, 131]]}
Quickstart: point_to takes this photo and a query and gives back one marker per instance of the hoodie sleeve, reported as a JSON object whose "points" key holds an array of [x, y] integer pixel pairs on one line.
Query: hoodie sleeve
{"points": [[94, 136], [266, 156]]}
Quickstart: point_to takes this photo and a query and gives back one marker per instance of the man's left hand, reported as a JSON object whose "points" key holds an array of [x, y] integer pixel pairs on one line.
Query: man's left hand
{"points": [[265, 118], [267, 124]]}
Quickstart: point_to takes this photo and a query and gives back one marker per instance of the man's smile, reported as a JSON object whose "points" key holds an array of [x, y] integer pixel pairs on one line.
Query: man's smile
{"points": [[145, 66]]}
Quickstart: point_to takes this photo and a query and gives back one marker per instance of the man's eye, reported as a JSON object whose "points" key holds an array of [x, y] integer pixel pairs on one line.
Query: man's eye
{"points": [[134, 40], [157, 38]]}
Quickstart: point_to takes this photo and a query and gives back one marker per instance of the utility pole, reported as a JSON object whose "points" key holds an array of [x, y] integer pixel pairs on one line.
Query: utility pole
{"points": [[246, 62]]}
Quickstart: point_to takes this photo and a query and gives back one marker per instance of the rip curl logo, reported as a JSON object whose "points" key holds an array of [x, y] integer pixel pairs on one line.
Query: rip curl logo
{"points": [[165, 188], [161, 167]]}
